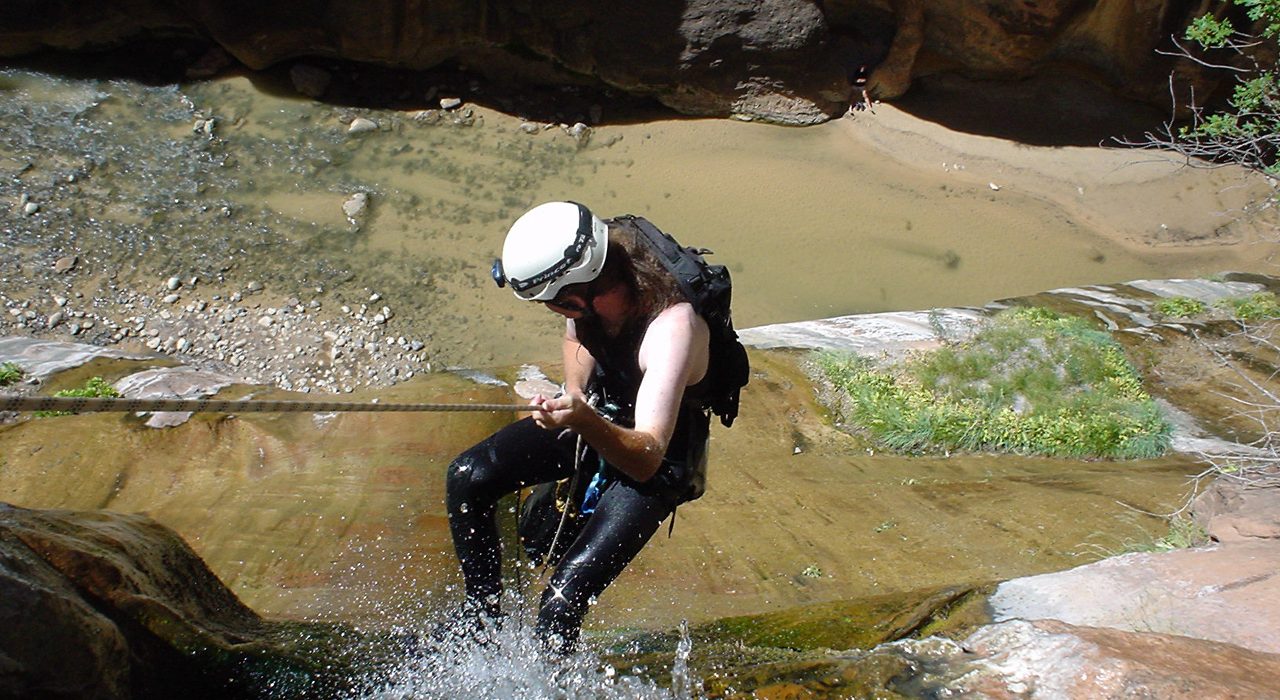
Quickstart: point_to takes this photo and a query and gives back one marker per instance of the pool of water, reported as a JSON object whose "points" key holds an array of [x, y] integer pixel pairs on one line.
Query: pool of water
{"points": [[813, 222]]}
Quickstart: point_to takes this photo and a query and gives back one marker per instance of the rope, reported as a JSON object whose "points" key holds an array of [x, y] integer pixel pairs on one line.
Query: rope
{"points": [[564, 516], [76, 404]]}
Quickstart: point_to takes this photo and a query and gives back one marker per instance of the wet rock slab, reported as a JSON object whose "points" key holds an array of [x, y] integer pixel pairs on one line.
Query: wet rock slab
{"points": [[869, 334], [44, 358], [1228, 594], [1044, 659], [171, 383]]}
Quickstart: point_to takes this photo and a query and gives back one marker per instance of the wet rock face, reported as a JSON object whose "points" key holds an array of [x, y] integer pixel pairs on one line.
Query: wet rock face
{"points": [[108, 605], [1020, 659], [787, 61]]}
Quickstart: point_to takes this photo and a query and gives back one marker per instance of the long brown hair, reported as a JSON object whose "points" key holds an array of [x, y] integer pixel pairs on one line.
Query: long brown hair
{"points": [[632, 262], [650, 286]]}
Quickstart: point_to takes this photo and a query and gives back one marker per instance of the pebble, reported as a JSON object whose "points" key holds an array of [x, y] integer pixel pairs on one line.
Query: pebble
{"points": [[450, 103], [55, 318], [30, 208], [360, 125], [65, 264], [173, 283], [254, 286], [355, 207], [171, 298], [265, 321], [580, 132]]}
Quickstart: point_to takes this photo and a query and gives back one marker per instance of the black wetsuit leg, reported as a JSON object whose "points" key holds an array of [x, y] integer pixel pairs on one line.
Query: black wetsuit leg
{"points": [[519, 455], [625, 519]]}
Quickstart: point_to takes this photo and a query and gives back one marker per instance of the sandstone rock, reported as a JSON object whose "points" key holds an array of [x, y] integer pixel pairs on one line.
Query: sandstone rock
{"points": [[1231, 511], [1229, 594], [44, 358], [1041, 660], [1051, 659], [171, 383], [778, 60], [42, 612], [108, 605]]}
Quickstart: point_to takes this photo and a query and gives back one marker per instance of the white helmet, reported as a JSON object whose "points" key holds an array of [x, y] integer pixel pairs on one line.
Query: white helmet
{"points": [[550, 247]]}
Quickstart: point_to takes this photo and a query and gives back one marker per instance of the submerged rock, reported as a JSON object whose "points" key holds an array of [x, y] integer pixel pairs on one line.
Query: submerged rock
{"points": [[171, 383], [44, 358]]}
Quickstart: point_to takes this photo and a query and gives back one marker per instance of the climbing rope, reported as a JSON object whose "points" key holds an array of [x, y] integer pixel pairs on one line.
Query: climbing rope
{"points": [[76, 404]]}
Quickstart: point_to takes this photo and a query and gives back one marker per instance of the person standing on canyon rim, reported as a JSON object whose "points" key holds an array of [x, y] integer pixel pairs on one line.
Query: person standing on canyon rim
{"points": [[632, 421], [859, 97]]}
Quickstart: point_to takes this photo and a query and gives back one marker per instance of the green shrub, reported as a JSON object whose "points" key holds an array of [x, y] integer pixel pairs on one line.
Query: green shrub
{"points": [[1179, 307], [1030, 383], [10, 373], [96, 387], [1257, 307]]}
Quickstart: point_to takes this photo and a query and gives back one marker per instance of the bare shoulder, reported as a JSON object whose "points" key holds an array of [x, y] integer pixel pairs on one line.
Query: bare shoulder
{"points": [[679, 319], [679, 339]]}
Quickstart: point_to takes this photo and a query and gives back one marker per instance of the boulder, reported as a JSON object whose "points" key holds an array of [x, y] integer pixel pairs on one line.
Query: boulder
{"points": [[107, 605], [1237, 511]]}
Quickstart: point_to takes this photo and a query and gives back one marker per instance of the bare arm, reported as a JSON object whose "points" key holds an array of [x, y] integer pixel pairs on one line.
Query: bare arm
{"points": [[578, 362], [673, 355]]}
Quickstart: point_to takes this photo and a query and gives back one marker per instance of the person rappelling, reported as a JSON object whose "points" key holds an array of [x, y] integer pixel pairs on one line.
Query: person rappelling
{"points": [[649, 354]]}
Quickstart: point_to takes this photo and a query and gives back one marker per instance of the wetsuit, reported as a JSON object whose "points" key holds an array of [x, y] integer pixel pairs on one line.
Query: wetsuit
{"points": [[624, 517]]}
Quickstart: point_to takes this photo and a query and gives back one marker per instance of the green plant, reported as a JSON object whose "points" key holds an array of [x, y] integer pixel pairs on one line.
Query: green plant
{"points": [[10, 373], [1178, 307], [95, 387], [1032, 382], [1184, 533], [1245, 131], [1256, 307]]}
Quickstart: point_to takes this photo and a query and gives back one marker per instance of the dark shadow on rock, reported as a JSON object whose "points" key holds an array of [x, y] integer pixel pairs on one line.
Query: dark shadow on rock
{"points": [[1049, 110]]}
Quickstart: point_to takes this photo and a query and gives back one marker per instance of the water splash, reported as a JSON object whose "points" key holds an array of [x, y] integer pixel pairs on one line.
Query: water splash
{"points": [[681, 682], [510, 662]]}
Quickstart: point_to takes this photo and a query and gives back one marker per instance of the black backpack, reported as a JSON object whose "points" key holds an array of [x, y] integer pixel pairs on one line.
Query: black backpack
{"points": [[710, 290]]}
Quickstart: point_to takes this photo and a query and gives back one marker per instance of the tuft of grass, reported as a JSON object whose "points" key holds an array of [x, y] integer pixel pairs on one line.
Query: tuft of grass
{"points": [[1032, 382], [1184, 533], [96, 387], [10, 373], [1256, 307], [1179, 307]]}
